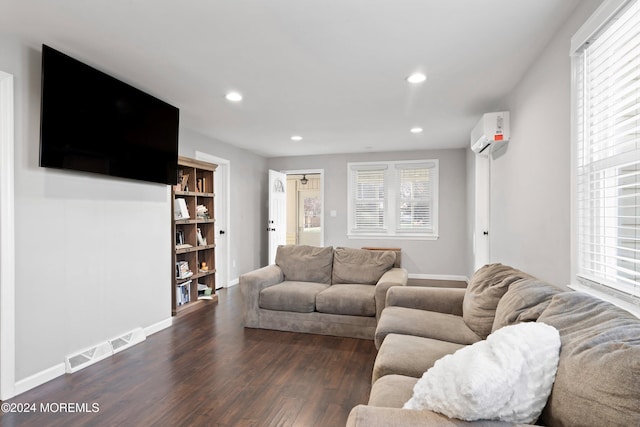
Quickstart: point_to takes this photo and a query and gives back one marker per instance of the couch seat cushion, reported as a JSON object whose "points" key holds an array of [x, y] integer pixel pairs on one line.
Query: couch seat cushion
{"points": [[354, 300], [410, 356], [486, 287], [524, 302], [598, 379], [291, 296], [305, 263], [423, 323], [361, 266]]}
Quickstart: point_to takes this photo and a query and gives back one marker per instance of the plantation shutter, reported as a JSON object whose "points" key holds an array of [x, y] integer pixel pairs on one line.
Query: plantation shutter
{"points": [[368, 198], [607, 73]]}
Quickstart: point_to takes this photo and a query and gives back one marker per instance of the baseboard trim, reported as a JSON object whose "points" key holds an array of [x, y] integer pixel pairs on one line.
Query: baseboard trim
{"points": [[157, 327], [234, 282], [439, 277], [49, 374], [40, 378]]}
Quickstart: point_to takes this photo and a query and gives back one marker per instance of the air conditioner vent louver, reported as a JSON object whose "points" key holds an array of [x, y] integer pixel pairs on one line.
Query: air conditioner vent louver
{"points": [[103, 350]]}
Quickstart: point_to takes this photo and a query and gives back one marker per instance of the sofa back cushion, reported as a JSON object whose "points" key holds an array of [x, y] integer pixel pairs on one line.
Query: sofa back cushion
{"points": [[598, 379], [304, 263], [525, 300], [486, 287], [360, 266]]}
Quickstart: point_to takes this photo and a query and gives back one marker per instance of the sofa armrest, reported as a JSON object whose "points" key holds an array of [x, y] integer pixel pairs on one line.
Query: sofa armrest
{"points": [[375, 416], [442, 300], [393, 277], [251, 284]]}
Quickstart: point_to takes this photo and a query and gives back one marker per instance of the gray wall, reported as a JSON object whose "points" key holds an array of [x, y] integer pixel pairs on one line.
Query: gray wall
{"points": [[530, 183], [446, 256], [93, 253], [249, 181]]}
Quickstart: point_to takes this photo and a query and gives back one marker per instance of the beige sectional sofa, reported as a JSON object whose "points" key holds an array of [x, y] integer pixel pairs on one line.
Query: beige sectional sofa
{"points": [[598, 375], [324, 291]]}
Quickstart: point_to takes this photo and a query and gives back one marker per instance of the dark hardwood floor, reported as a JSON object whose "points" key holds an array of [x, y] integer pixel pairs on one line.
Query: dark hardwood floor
{"points": [[207, 370]]}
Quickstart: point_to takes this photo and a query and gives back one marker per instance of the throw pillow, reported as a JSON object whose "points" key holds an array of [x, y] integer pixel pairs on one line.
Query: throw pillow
{"points": [[486, 287], [507, 377], [360, 266], [303, 263]]}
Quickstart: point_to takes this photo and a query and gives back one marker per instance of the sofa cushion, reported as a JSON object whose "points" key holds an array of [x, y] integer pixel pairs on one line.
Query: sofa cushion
{"points": [[304, 263], [392, 391], [410, 356], [507, 377], [360, 266], [486, 287], [422, 323], [291, 296], [598, 380], [524, 302], [354, 300]]}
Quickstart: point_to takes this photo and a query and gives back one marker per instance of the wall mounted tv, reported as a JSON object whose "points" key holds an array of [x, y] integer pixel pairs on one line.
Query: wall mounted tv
{"points": [[93, 122]]}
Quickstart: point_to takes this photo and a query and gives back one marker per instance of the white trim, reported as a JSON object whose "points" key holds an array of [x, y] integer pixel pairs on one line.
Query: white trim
{"points": [[600, 17], [227, 163], [439, 277], [309, 172], [157, 327], [39, 378], [234, 282], [7, 242], [370, 236]]}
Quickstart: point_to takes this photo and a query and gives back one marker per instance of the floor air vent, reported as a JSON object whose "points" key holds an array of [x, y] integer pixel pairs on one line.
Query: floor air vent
{"points": [[127, 340], [95, 354]]}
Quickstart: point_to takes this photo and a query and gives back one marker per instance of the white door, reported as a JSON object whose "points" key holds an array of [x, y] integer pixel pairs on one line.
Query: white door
{"points": [[221, 228], [481, 242], [221, 209], [277, 224]]}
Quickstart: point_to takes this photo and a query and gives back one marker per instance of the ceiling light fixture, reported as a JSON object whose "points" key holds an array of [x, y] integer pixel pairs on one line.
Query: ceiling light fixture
{"points": [[296, 138], [304, 180], [416, 78], [233, 96], [416, 130]]}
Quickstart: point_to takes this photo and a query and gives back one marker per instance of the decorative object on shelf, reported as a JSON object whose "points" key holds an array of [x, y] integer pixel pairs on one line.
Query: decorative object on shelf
{"points": [[179, 237], [180, 209], [204, 266], [202, 241], [182, 270], [202, 212]]}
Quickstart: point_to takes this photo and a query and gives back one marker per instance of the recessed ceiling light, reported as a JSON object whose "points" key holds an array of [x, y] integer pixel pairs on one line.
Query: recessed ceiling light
{"points": [[233, 96], [416, 78], [416, 130], [296, 138]]}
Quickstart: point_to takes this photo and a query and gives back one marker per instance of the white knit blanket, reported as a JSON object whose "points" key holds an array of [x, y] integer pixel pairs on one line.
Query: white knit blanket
{"points": [[507, 377]]}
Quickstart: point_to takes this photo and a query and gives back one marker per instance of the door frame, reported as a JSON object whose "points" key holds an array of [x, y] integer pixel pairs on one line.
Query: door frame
{"points": [[7, 243], [322, 210], [226, 195]]}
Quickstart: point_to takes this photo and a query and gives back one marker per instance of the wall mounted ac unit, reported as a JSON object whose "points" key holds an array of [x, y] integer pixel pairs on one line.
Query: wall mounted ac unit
{"points": [[491, 132]]}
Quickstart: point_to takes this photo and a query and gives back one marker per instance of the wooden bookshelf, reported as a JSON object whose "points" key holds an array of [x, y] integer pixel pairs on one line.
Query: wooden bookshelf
{"points": [[194, 237]]}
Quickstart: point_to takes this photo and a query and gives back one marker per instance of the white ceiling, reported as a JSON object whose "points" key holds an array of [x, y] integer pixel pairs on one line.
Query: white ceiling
{"points": [[332, 71]]}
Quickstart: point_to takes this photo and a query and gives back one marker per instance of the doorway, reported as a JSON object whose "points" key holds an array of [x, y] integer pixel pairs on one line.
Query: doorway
{"points": [[305, 207]]}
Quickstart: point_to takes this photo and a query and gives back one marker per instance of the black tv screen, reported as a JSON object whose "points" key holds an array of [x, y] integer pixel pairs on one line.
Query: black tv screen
{"points": [[96, 123]]}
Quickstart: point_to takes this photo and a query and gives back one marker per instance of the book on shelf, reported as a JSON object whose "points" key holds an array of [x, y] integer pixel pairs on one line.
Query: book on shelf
{"points": [[182, 270], [184, 246], [202, 212], [180, 209], [183, 293]]}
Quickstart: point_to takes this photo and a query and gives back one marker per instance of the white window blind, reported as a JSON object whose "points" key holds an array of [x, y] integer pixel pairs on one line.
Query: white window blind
{"points": [[607, 118], [393, 199]]}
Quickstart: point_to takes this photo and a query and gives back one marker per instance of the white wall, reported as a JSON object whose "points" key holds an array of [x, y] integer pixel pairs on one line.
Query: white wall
{"points": [[249, 181], [530, 183], [93, 253], [446, 256]]}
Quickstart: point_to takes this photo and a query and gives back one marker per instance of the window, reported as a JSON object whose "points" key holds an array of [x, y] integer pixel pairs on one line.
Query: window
{"points": [[606, 64], [394, 199]]}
